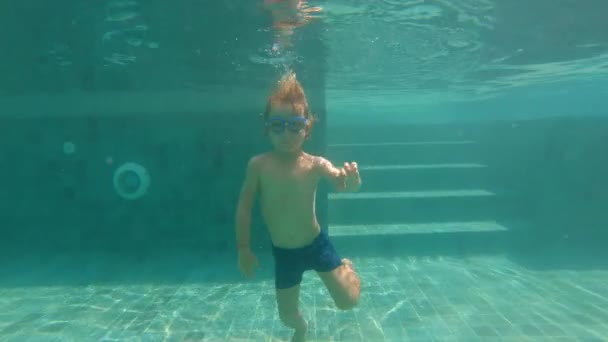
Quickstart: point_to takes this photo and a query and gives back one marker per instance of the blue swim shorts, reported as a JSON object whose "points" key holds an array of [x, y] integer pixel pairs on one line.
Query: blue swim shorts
{"points": [[290, 263]]}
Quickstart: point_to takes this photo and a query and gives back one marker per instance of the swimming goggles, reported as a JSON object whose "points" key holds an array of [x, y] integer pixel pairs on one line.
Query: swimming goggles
{"points": [[294, 124]]}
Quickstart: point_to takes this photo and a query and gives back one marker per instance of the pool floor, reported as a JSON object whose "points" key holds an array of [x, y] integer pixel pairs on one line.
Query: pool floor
{"points": [[203, 299]]}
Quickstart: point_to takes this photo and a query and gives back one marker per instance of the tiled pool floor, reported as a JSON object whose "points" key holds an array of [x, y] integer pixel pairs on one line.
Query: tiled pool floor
{"points": [[418, 299]]}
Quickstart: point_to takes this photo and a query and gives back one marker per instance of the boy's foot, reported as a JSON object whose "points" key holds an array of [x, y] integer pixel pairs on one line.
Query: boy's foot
{"points": [[346, 262], [300, 334]]}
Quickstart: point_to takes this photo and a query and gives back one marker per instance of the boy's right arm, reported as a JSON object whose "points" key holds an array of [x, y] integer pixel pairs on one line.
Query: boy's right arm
{"points": [[245, 204]]}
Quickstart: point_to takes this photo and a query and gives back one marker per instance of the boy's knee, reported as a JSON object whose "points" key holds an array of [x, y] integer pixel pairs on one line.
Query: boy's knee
{"points": [[350, 298]]}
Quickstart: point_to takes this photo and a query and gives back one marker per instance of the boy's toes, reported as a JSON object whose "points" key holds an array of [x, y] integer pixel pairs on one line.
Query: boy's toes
{"points": [[346, 262]]}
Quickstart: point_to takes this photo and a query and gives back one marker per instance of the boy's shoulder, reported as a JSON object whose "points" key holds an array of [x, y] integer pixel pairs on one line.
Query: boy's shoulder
{"points": [[261, 159], [269, 155], [258, 159], [319, 160], [320, 163], [262, 156], [316, 160]]}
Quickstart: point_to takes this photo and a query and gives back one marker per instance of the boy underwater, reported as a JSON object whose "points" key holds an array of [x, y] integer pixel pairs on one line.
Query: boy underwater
{"points": [[286, 180]]}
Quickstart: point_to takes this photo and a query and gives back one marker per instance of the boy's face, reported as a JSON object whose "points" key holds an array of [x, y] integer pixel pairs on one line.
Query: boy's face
{"points": [[287, 129]]}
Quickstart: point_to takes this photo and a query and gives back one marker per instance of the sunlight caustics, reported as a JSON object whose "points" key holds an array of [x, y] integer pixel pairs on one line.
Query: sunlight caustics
{"points": [[435, 54]]}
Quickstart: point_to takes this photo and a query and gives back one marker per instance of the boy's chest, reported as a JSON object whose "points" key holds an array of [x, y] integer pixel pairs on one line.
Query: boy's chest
{"points": [[285, 178]]}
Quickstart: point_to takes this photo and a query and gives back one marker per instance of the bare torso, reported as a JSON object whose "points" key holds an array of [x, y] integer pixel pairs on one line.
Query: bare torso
{"points": [[287, 192]]}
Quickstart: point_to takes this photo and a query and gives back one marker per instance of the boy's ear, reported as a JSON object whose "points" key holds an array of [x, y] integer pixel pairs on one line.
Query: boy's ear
{"points": [[307, 135], [308, 129]]}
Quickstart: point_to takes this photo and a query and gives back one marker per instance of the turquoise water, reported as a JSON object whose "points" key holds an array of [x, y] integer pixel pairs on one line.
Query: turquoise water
{"points": [[479, 127]]}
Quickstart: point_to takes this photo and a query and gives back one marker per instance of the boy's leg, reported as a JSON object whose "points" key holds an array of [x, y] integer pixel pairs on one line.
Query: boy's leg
{"points": [[338, 274], [287, 301], [288, 277], [343, 284]]}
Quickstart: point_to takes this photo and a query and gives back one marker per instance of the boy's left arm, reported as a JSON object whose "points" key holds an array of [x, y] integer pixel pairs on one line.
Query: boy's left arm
{"points": [[344, 179]]}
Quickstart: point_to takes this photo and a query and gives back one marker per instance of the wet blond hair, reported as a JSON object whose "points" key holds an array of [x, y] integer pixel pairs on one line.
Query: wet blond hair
{"points": [[289, 92]]}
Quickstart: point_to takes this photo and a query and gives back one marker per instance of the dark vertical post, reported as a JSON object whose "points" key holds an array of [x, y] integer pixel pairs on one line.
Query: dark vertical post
{"points": [[312, 75], [321, 147]]}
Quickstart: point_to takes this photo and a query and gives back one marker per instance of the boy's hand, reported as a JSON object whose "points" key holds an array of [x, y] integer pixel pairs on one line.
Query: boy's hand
{"points": [[247, 263], [352, 180]]}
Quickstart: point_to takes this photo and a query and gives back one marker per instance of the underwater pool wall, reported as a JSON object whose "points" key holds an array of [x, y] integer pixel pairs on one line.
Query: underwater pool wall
{"points": [[179, 171], [111, 147]]}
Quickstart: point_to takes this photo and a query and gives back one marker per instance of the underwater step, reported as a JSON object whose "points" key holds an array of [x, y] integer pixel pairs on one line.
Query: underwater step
{"points": [[415, 228], [461, 243], [398, 177], [409, 194], [421, 166], [403, 143], [422, 206], [395, 132], [387, 153]]}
